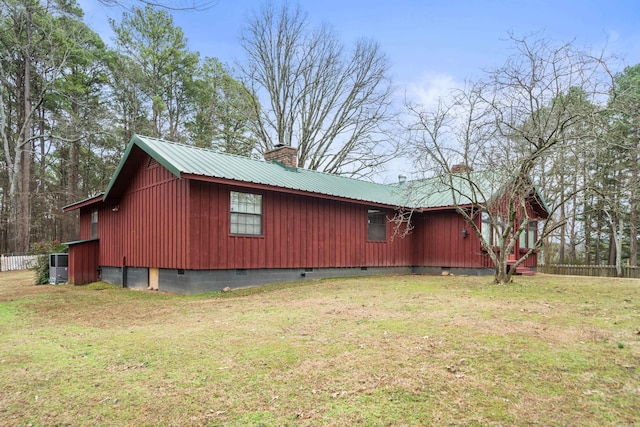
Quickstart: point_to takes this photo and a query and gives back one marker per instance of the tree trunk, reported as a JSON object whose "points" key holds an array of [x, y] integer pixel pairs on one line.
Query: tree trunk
{"points": [[573, 215], [619, 248], [587, 237], [501, 276], [633, 232], [23, 217], [612, 245], [598, 257], [563, 236], [586, 209], [633, 208]]}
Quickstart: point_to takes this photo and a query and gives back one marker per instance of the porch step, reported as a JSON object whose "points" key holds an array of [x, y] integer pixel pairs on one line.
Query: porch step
{"points": [[524, 271]]}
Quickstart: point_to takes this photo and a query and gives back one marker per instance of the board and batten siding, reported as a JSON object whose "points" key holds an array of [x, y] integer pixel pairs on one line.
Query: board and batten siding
{"points": [[147, 225], [161, 221], [298, 232], [444, 246], [442, 243], [83, 262]]}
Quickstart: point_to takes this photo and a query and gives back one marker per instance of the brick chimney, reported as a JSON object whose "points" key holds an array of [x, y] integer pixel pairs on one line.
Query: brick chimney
{"points": [[460, 168], [284, 154]]}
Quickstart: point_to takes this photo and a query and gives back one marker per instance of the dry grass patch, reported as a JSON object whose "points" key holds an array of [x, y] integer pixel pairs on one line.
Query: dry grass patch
{"points": [[408, 350]]}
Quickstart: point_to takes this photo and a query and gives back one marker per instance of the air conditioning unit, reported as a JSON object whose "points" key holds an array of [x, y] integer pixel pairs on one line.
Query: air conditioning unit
{"points": [[58, 268]]}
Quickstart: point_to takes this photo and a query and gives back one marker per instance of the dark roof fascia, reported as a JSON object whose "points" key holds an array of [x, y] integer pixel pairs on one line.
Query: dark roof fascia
{"points": [[84, 203], [445, 208], [265, 187], [136, 141], [543, 213], [542, 203], [536, 196], [78, 242]]}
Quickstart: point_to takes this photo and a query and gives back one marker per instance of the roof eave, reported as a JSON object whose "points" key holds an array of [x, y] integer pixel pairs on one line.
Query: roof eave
{"points": [[84, 203], [268, 187], [78, 242]]}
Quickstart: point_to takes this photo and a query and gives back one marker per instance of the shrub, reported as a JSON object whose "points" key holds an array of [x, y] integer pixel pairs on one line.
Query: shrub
{"points": [[43, 249]]}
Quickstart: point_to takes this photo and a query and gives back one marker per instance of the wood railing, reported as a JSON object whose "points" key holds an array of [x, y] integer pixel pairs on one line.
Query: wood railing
{"points": [[589, 270]]}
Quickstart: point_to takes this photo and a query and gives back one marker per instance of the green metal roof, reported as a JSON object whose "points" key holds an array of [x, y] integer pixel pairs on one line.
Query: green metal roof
{"points": [[479, 187], [468, 188], [186, 159], [183, 159]]}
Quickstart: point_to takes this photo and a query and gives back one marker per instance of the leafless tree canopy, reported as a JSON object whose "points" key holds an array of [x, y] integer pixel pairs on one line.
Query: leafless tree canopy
{"points": [[330, 101], [197, 5], [517, 120]]}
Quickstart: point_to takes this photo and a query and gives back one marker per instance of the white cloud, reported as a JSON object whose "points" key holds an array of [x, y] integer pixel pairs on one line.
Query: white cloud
{"points": [[430, 88]]}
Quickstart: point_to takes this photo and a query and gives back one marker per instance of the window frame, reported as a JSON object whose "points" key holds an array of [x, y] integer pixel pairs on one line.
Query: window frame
{"points": [[246, 216], [527, 238], [94, 224], [532, 233], [529, 235], [487, 233], [374, 229]]}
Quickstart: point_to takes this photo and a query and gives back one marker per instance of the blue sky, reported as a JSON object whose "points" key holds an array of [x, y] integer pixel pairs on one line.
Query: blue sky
{"points": [[424, 40], [450, 37], [432, 45]]}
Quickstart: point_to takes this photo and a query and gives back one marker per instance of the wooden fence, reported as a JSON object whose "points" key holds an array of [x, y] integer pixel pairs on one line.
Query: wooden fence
{"points": [[589, 270], [17, 262]]}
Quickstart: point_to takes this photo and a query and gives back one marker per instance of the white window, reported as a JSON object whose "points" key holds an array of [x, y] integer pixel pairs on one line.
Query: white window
{"points": [[376, 226], [487, 229], [497, 232], [532, 234], [523, 239], [246, 214], [94, 224], [529, 235], [492, 235]]}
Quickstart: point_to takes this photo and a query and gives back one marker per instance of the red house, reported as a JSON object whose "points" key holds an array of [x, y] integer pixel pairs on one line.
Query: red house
{"points": [[184, 219]]}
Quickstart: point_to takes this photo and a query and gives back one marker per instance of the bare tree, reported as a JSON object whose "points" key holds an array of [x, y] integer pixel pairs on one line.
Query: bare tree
{"points": [[332, 102], [508, 125], [166, 4]]}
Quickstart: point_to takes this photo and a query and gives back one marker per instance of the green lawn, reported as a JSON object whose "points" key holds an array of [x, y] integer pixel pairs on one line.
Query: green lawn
{"points": [[402, 350]]}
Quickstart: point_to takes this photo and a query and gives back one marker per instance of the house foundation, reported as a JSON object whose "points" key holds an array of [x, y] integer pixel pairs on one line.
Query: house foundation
{"points": [[190, 282]]}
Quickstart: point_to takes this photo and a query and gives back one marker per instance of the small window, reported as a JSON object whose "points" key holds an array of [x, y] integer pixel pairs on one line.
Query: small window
{"points": [[487, 229], [532, 234], [94, 224], [246, 214], [498, 231], [523, 239], [492, 235], [377, 226], [529, 235]]}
